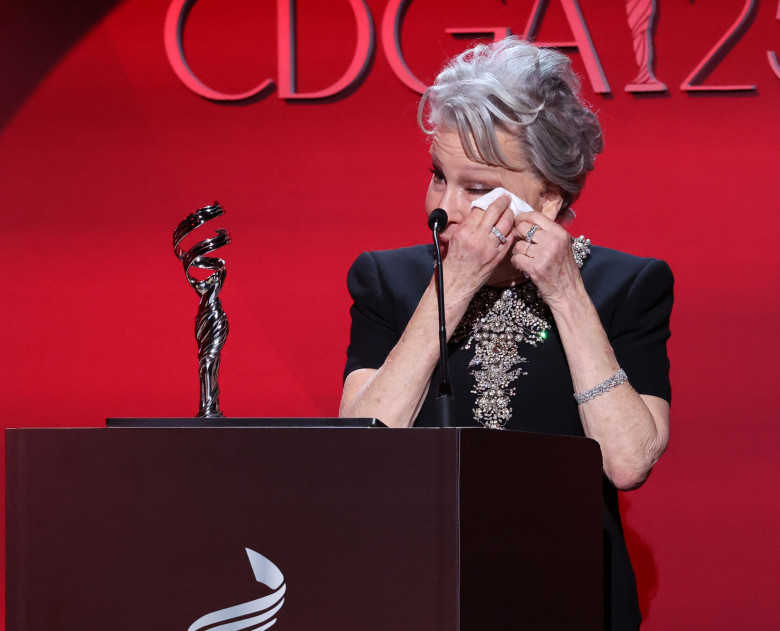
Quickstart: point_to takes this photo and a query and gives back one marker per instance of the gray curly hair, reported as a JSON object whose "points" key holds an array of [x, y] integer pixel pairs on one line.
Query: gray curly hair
{"points": [[530, 92]]}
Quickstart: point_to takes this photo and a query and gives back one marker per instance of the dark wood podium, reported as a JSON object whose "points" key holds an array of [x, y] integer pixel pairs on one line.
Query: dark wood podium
{"points": [[373, 529]]}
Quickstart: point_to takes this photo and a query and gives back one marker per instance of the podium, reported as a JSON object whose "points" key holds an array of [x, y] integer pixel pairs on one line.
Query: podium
{"points": [[372, 528]]}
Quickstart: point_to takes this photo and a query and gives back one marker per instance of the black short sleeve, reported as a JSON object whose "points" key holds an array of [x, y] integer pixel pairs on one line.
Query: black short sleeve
{"points": [[372, 334], [640, 329], [386, 287]]}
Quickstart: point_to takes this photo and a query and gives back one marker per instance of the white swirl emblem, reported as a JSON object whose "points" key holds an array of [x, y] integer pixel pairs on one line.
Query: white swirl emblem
{"points": [[255, 612]]}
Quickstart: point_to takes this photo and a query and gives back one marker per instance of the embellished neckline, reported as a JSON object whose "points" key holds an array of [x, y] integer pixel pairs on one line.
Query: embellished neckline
{"points": [[496, 322]]}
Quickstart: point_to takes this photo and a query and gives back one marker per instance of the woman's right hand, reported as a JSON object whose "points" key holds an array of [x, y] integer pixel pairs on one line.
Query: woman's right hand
{"points": [[395, 392], [473, 250]]}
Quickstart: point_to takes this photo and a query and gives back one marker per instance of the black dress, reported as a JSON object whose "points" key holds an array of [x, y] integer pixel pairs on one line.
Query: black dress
{"points": [[633, 297]]}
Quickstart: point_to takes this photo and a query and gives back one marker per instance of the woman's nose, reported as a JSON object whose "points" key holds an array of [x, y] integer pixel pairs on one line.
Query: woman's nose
{"points": [[454, 205]]}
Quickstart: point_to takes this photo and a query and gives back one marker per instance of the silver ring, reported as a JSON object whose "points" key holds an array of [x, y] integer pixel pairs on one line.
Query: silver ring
{"points": [[530, 234], [528, 247], [498, 233]]}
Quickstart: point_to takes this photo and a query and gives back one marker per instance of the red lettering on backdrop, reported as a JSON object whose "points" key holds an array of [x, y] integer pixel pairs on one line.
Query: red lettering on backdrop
{"points": [[772, 55], [391, 42], [174, 35], [693, 82], [773, 63], [286, 42], [582, 40], [640, 17]]}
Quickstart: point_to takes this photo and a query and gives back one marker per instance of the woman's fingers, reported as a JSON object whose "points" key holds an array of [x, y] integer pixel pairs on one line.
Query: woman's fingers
{"points": [[492, 213], [543, 252], [550, 247], [490, 228], [537, 218], [527, 221], [497, 220], [503, 227], [479, 243]]}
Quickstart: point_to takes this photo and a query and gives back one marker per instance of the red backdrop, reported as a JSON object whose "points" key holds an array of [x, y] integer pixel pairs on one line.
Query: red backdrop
{"points": [[103, 150]]}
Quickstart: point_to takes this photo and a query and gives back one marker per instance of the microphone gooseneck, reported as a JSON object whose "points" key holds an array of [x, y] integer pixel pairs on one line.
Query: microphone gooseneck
{"points": [[437, 221]]}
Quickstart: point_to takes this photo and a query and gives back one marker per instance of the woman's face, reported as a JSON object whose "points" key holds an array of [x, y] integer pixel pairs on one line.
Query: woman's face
{"points": [[457, 181]]}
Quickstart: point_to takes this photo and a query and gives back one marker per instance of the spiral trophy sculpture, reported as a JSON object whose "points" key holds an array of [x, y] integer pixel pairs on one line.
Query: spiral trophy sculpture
{"points": [[211, 325]]}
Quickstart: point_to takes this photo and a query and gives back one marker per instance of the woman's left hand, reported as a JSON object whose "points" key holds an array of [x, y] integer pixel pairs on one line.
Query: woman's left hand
{"points": [[547, 260], [632, 430]]}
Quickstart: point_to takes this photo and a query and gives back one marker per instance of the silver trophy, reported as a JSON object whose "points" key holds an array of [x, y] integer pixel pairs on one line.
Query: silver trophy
{"points": [[211, 325]]}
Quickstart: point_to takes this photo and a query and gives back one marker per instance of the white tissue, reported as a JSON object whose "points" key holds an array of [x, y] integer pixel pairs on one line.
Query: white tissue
{"points": [[517, 205]]}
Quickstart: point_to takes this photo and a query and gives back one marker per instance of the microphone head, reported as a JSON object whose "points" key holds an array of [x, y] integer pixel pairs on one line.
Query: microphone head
{"points": [[437, 220]]}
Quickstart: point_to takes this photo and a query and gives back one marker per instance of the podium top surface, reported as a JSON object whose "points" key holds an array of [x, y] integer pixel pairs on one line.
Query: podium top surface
{"points": [[191, 422]]}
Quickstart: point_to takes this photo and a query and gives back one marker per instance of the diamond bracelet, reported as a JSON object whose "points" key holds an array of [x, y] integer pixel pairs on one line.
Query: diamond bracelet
{"points": [[605, 386]]}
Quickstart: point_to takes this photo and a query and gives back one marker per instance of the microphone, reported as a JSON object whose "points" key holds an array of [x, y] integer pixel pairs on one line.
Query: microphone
{"points": [[437, 221]]}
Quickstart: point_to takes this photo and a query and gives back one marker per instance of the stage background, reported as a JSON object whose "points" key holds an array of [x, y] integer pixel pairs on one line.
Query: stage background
{"points": [[104, 150]]}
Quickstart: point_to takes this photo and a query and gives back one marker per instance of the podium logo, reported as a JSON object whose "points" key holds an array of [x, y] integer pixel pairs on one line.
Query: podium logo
{"points": [[255, 612]]}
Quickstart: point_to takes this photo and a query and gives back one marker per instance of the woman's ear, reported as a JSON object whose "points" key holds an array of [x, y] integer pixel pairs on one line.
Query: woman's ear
{"points": [[551, 200]]}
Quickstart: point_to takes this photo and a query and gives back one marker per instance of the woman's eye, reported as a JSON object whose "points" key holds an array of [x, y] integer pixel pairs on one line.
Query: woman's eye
{"points": [[437, 175], [479, 191]]}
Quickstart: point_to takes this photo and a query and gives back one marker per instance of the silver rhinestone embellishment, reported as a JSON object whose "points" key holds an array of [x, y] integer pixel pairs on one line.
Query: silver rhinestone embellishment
{"points": [[496, 322]]}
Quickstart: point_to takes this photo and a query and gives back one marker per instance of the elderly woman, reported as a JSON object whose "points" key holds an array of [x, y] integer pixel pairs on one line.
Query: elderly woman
{"points": [[580, 333]]}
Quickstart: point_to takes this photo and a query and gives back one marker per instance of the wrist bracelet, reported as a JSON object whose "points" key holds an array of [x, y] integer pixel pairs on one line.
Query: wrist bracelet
{"points": [[605, 386]]}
